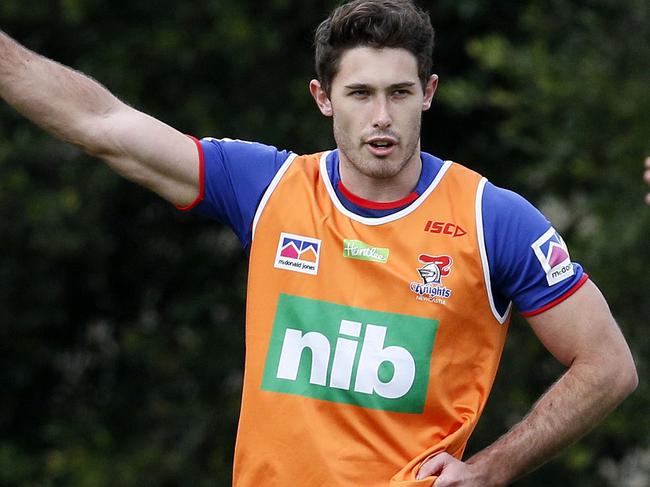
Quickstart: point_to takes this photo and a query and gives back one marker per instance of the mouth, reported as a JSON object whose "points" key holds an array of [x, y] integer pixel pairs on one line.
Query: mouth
{"points": [[381, 146]]}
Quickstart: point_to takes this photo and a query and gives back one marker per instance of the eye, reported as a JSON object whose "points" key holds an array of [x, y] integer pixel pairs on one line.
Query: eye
{"points": [[401, 93], [359, 93]]}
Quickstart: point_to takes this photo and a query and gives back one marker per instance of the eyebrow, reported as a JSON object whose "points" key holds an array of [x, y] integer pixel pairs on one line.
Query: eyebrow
{"points": [[364, 86]]}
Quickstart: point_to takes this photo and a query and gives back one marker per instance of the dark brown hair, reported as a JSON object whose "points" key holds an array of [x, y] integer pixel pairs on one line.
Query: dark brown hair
{"points": [[373, 23]]}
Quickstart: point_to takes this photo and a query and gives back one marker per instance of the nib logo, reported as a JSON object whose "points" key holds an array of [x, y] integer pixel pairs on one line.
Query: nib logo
{"points": [[349, 355]]}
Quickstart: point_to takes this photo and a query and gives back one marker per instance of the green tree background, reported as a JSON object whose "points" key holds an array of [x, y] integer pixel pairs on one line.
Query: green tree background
{"points": [[121, 319]]}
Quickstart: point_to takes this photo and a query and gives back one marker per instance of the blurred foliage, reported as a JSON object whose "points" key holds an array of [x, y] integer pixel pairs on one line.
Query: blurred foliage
{"points": [[122, 320]]}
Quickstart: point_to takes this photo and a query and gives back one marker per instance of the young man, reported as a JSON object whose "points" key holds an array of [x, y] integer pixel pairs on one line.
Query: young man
{"points": [[380, 284]]}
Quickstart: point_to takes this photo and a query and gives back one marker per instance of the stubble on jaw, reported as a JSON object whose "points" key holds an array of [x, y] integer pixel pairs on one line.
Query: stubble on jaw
{"points": [[377, 168]]}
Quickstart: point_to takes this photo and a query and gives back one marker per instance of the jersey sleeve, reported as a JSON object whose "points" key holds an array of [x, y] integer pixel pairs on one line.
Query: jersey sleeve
{"points": [[529, 261], [234, 176]]}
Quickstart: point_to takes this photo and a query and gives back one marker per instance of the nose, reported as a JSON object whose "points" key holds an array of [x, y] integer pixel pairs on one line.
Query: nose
{"points": [[381, 115]]}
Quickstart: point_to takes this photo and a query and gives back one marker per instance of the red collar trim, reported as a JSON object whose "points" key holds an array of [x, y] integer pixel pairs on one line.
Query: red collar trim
{"points": [[377, 205]]}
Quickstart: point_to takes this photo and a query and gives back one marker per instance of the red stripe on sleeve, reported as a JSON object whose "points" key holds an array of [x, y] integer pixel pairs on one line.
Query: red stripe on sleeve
{"points": [[199, 198], [557, 301]]}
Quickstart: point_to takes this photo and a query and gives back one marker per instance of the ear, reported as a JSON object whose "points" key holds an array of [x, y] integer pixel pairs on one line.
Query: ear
{"points": [[429, 91], [321, 97]]}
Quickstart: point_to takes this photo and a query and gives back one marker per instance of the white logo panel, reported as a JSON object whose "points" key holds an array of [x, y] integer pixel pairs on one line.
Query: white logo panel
{"points": [[553, 254], [298, 253]]}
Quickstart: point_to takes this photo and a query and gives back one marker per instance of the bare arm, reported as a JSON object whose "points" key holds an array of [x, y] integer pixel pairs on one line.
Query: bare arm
{"points": [[581, 334], [77, 109]]}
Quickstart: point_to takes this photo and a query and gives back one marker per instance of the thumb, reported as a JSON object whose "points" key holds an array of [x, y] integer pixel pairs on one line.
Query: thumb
{"points": [[434, 465]]}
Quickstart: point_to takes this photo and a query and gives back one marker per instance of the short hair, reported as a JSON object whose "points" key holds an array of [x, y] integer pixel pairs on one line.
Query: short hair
{"points": [[373, 23]]}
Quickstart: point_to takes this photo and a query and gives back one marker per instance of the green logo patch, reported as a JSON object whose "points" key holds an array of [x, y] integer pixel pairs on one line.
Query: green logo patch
{"points": [[356, 249], [349, 355]]}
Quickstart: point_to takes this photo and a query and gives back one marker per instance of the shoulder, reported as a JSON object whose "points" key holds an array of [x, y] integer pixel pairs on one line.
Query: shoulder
{"points": [[245, 151], [500, 203], [528, 258], [240, 162], [236, 175]]}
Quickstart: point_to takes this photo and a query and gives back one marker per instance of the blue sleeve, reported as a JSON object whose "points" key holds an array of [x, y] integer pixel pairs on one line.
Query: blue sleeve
{"points": [[235, 175], [528, 259]]}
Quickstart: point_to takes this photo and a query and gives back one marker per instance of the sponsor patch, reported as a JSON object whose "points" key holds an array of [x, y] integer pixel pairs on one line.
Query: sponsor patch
{"points": [[349, 355], [434, 269], [445, 228], [356, 249], [553, 254], [298, 253]]}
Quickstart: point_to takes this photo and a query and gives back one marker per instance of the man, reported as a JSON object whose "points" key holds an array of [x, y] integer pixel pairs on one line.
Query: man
{"points": [[380, 284]]}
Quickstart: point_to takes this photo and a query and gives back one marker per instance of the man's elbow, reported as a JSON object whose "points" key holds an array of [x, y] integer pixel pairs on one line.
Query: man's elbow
{"points": [[625, 379], [631, 380]]}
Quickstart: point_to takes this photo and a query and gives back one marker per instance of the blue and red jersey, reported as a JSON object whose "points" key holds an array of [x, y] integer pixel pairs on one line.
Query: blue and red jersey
{"points": [[528, 261]]}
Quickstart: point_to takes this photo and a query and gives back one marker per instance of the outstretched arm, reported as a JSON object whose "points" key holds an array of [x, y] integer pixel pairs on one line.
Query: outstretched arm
{"points": [[77, 109], [581, 333]]}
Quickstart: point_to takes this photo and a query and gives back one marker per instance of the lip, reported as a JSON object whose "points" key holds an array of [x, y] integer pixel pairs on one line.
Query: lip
{"points": [[381, 151]]}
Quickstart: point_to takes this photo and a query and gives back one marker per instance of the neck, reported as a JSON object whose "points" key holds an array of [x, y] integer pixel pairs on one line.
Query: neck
{"points": [[377, 188]]}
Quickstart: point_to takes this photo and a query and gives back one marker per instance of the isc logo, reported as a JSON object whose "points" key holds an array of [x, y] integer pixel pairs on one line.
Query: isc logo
{"points": [[444, 228], [349, 355]]}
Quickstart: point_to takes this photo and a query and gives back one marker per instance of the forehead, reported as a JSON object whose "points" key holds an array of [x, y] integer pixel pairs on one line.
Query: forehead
{"points": [[376, 67]]}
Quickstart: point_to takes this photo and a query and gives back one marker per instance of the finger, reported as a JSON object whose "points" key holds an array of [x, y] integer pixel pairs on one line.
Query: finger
{"points": [[433, 466], [647, 162]]}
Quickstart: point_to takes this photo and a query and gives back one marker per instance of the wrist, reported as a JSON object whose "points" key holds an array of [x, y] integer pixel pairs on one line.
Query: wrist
{"points": [[489, 472]]}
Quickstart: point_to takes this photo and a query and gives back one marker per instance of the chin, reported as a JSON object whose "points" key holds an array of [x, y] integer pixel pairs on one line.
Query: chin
{"points": [[382, 169]]}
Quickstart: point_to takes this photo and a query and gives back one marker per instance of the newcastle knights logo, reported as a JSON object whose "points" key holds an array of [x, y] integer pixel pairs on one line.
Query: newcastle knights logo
{"points": [[434, 269]]}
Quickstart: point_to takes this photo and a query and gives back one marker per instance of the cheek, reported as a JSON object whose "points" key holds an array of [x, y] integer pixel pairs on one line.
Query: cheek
{"points": [[348, 125], [341, 134], [413, 122], [349, 114]]}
